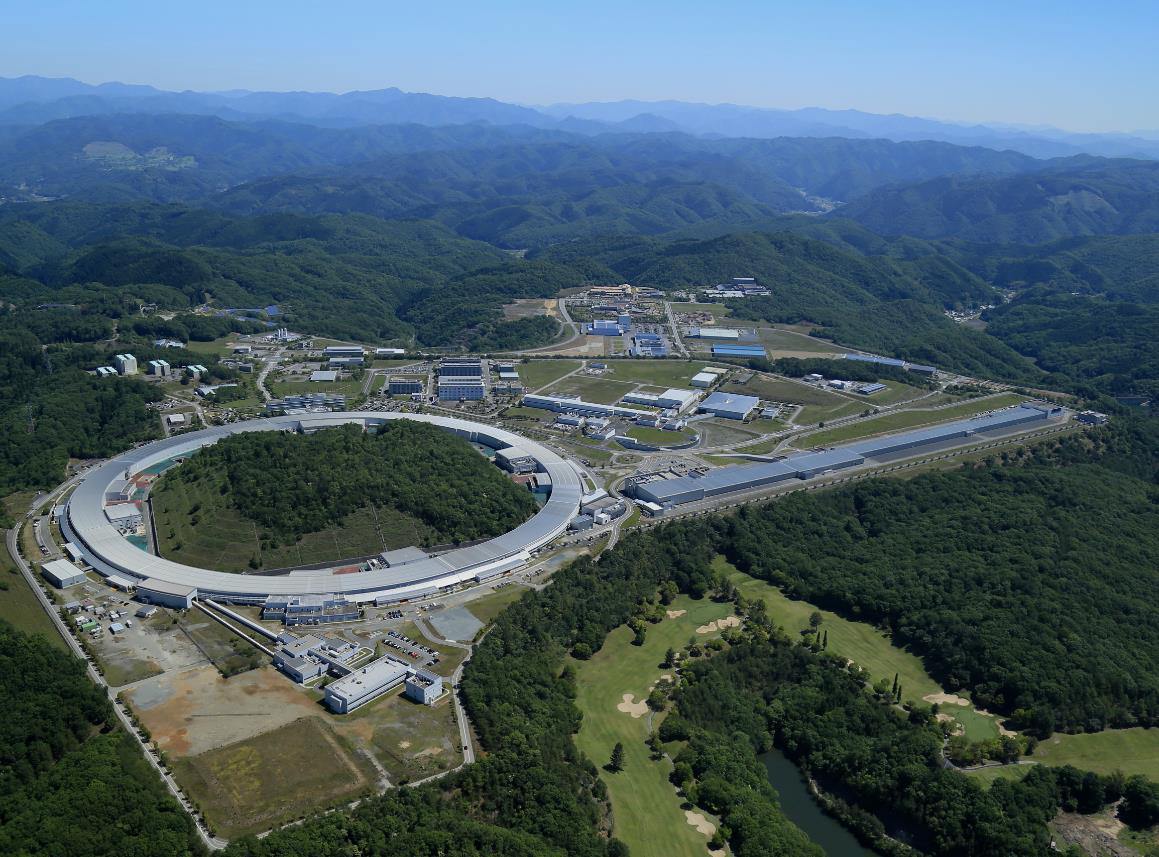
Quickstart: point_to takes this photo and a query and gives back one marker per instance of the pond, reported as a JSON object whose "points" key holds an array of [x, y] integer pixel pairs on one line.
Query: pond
{"points": [[801, 809]]}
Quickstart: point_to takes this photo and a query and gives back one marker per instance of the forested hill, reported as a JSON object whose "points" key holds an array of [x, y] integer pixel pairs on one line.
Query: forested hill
{"points": [[292, 484], [347, 276], [1088, 197]]}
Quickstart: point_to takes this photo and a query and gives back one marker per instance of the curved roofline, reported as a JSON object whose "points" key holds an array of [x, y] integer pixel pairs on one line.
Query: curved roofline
{"points": [[109, 552]]}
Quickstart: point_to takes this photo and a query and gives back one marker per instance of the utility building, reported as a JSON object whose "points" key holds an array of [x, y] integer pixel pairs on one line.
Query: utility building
{"points": [[62, 573], [516, 459], [152, 591], [729, 405], [424, 686]]}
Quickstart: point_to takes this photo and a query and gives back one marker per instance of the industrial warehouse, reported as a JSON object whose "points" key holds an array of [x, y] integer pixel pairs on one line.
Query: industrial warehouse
{"points": [[104, 547], [664, 493]]}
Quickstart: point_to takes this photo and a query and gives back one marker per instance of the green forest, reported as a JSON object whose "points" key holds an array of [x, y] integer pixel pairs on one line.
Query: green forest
{"points": [[291, 484], [71, 782]]}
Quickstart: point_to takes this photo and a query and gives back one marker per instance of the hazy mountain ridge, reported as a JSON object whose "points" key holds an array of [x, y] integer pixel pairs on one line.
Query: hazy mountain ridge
{"points": [[32, 100]]}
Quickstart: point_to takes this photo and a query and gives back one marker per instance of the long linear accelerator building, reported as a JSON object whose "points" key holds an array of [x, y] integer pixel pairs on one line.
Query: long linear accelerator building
{"points": [[669, 492], [86, 525]]}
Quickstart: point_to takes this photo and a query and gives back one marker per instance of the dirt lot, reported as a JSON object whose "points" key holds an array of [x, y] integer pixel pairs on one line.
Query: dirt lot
{"points": [[252, 785], [195, 710]]}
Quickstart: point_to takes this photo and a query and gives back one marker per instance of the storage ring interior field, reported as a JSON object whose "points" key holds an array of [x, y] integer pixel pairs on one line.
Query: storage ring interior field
{"points": [[85, 524]]}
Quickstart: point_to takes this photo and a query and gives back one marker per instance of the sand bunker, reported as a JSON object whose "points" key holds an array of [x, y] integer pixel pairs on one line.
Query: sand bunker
{"points": [[675, 614], [945, 699], [630, 706], [719, 625], [702, 824]]}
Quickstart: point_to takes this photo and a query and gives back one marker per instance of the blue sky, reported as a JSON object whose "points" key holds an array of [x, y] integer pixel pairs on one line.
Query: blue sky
{"points": [[1076, 65]]}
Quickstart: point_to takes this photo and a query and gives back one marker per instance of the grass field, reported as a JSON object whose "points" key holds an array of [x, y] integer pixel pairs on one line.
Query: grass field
{"points": [[660, 437], [300, 388], [539, 373], [660, 373], [894, 393], [592, 389], [910, 419], [776, 339], [20, 607], [645, 805], [487, 608], [1132, 751], [778, 390], [253, 785], [717, 310], [230, 540], [221, 346], [862, 643]]}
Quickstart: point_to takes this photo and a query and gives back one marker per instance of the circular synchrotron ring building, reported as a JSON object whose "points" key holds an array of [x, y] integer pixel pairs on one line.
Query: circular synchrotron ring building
{"points": [[86, 524]]}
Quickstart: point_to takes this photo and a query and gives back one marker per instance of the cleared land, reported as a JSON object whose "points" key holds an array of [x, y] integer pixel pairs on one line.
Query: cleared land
{"points": [[910, 419], [776, 339], [862, 643], [592, 389], [409, 740], [228, 652], [660, 373], [647, 811], [487, 608], [278, 776], [539, 373]]}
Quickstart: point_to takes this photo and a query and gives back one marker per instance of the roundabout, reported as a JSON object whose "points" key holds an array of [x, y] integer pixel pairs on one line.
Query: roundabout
{"points": [[87, 525]]}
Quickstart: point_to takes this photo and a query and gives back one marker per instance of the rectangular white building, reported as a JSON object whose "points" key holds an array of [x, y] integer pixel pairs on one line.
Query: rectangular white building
{"points": [[62, 573], [365, 684]]}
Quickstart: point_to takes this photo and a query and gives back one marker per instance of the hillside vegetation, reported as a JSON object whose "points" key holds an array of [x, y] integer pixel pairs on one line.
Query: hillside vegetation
{"points": [[292, 485]]}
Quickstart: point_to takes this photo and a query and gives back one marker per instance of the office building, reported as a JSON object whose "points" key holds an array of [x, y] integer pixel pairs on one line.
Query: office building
{"points": [[365, 684], [730, 406], [403, 385], [461, 367], [346, 361], [454, 389], [310, 609], [424, 687], [62, 573], [126, 364]]}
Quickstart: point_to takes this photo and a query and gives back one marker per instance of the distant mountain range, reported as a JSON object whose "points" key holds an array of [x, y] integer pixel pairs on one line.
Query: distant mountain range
{"points": [[32, 100]]}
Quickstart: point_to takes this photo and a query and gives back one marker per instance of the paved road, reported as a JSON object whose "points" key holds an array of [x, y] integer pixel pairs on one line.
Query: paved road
{"points": [[210, 841]]}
